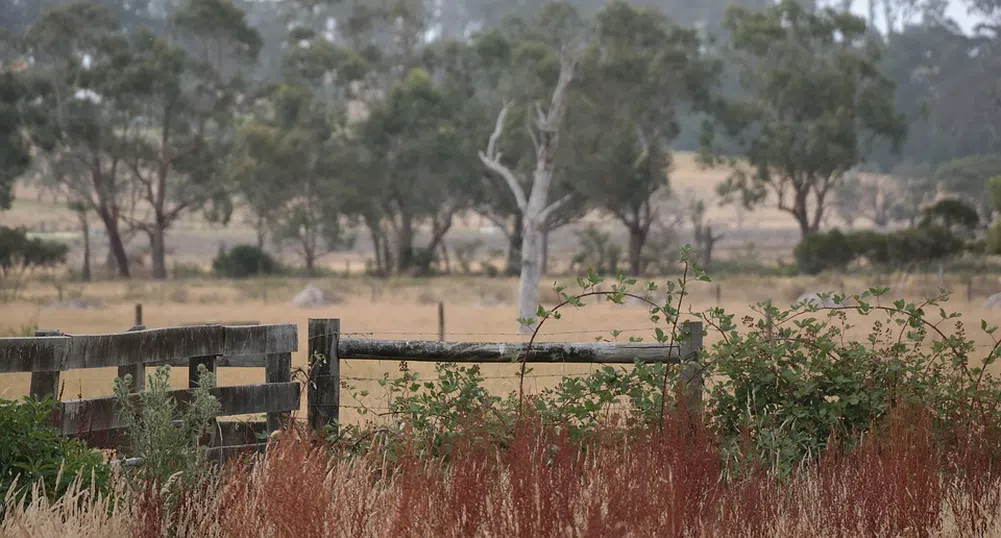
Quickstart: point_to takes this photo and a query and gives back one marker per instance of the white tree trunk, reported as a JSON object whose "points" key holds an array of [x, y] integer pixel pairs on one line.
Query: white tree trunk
{"points": [[531, 272], [536, 207]]}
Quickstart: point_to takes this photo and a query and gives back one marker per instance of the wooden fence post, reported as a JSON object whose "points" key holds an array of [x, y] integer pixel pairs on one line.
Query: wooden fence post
{"points": [[441, 321], [277, 369], [45, 383], [137, 371], [324, 395], [691, 368]]}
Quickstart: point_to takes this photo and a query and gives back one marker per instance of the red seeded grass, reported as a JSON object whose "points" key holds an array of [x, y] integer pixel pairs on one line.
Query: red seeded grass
{"points": [[897, 482]]}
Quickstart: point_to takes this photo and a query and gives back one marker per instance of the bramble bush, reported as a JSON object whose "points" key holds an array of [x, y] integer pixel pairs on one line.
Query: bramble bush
{"points": [[781, 384], [795, 385]]}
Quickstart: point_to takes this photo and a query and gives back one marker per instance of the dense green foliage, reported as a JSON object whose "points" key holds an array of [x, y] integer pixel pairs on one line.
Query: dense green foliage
{"points": [[20, 252], [834, 250], [814, 95], [31, 452], [786, 381], [946, 228], [243, 261], [21, 255], [15, 151], [798, 383]]}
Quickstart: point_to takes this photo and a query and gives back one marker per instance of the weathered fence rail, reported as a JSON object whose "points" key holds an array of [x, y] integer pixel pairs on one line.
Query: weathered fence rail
{"points": [[327, 349], [213, 345], [271, 347]]}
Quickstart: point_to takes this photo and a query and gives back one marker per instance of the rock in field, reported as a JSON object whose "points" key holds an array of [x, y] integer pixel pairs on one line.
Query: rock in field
{"points": [[994, 301], [310, 297]]}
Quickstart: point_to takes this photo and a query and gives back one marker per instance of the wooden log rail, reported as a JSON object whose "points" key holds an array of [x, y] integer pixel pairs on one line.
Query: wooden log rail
{"points": [[149, 346], [213, 345], [327, 348]]}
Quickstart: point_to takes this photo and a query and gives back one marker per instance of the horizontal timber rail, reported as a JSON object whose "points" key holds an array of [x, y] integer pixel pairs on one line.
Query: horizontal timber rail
{"points": [[147, 346], [213, 345], [327, 348], [493, 352], [94, 414]]}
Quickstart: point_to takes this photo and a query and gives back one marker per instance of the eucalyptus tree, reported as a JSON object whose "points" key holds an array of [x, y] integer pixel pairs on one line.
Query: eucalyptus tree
{"points": [[816, 101], [547, 56], [77, 59], [635, 75], [180, 94]]}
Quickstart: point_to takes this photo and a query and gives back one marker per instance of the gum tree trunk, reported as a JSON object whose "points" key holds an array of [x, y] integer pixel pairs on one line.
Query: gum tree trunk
{"points": [[535, 207]]}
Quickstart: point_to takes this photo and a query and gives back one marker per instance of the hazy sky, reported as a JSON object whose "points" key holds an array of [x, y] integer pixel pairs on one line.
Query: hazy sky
{"points": [[958, 10]]}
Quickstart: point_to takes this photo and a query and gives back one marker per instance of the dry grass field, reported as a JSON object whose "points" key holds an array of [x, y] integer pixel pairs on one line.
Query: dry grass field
{"points": [[477, 309]]}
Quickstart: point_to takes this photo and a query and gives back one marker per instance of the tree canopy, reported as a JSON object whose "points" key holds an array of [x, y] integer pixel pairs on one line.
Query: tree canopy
{"points": [[816, 103], [319, 121]]}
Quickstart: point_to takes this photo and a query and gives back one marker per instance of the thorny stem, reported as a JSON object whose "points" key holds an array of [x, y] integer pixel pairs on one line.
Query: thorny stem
{"points": [[674, 332], [523, 359]]}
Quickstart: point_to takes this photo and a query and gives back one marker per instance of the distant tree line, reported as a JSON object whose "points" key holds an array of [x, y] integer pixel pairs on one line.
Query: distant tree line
{"points": [[318, 119]]}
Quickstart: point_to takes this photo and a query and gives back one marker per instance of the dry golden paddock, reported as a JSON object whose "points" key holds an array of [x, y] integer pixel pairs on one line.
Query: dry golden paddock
{"points": [[476, 309]]}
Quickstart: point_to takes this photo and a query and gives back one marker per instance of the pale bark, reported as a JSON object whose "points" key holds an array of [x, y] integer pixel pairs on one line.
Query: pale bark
{"points": [[536, 207]]}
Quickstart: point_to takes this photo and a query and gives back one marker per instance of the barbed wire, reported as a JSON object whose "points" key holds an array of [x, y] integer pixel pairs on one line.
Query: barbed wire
{"points": [[486, 377], [487, 333]]}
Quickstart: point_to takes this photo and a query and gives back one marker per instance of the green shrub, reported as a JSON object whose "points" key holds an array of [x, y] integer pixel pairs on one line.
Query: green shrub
{"points": [[820, 252], [434, 411], [21, 255], [165, 436], [597, 249], [31, 451], [785, 382], [873, 246], [834, 250], [993, 238], [798, 383], [243, 261], [923, 245]]}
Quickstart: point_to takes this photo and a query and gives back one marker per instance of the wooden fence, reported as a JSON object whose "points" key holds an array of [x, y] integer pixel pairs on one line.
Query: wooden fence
{"points": [[270, 347], [327, 349], [95, 420]]}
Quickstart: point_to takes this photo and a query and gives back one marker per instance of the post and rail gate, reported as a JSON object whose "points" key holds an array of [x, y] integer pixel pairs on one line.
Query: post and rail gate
{"points": [[270, 347]]}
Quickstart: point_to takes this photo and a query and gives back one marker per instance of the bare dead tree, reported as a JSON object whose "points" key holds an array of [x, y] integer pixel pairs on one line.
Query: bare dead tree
{"points": [[535, 207]]}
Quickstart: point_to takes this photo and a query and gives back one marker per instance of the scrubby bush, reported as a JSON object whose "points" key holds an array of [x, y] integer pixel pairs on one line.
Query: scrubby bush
{"points": [[785, 382], [160, 432], [834, 250], [824, 251], [993, 238], [796, 381], [243, 261], [31, 452], [21, 255], [465, 254], [596, 249]]}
